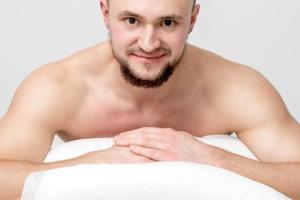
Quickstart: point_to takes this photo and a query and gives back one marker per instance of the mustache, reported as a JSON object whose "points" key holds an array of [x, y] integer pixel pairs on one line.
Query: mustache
{"points": [[161, 50]]}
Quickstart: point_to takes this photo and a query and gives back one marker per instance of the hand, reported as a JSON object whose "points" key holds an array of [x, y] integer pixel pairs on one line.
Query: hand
{"points": [[165, 144], [114, 154]]}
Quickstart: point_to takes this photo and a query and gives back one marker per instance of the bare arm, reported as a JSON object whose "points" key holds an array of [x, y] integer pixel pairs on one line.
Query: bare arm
{"points": [[264, 124], [282, 176], [278, 170], [278, 149], [13, 175], [27, 129], [42, 106]]}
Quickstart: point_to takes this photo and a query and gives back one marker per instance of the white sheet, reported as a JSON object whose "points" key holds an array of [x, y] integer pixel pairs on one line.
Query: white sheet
{"points": [[159, 181]]}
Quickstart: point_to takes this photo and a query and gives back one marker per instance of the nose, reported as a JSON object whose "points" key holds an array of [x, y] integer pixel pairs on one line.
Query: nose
{"points": [[148, 41]]}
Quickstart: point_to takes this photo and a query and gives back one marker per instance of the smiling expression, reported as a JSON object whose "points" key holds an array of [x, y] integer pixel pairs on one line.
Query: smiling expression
{"points": [[148, 41]]}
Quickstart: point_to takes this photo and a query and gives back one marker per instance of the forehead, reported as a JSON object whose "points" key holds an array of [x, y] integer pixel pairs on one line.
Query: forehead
{"points": [[152, 7]]}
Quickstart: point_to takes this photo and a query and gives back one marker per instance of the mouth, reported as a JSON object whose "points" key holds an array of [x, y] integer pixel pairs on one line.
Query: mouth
{"points": [[149, 58]]}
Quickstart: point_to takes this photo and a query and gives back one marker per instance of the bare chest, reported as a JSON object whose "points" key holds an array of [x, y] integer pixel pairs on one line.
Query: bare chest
{"points": [[111, 119]]}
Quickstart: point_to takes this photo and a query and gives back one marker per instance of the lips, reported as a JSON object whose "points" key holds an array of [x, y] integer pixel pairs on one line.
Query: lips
{"points": [[149, 56]]}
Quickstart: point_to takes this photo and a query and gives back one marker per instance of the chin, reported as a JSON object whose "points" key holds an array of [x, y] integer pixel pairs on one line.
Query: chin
{"points": [[139, 75], [150, 72]]}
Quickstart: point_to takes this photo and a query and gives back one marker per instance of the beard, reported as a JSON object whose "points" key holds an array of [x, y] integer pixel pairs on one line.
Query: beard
{"points": [[132, 78]]}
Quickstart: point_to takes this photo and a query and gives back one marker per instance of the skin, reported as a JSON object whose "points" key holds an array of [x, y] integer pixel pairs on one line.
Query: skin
{"points": [[85, 95]]}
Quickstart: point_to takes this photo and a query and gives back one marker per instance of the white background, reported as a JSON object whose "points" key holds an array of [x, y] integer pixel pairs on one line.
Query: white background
{"points": [[262, 34]]}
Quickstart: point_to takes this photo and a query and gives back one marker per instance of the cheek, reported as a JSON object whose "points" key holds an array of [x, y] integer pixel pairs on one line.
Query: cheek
{"points": [[177, 42], [121, 38]]}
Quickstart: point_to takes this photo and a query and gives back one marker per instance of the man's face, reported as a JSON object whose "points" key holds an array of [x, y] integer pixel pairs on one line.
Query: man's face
{"points": [[148, 37]]}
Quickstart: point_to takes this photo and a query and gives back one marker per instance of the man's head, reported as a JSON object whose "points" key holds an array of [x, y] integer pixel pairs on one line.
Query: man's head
{"points": [[148, 37]]}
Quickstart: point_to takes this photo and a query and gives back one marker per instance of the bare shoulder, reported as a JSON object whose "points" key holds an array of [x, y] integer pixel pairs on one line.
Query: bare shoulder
{"points": [[241, 95], [249, 105], [254, 100], [44, 104], [64, 83], [68, 76], [48, 95], [36, 113], [89, 60], [54, 91]]}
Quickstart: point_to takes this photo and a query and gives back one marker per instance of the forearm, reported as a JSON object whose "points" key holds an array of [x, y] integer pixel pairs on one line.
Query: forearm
{"points": [[13, 175], [284, 177]]}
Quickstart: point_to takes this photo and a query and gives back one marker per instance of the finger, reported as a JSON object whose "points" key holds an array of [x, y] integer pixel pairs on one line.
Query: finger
{"points": [[123, 139], [142, 141], [143, 158], [144, 130], [158, 135], [154, 154]]}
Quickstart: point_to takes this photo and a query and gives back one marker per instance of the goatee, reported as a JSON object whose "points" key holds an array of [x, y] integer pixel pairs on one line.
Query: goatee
{"points": [[135, 81]]}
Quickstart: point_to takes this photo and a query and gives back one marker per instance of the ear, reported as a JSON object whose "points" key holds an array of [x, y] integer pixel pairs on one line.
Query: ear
{"points": [[194, 15], [105, 12]]}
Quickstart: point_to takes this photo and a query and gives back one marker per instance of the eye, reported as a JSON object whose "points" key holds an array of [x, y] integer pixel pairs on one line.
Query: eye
{"points": [[168, 23], [131, 20]]}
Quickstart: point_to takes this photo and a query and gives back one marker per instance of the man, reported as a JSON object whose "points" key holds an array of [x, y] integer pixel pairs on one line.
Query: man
{"points": [[154, 92]]}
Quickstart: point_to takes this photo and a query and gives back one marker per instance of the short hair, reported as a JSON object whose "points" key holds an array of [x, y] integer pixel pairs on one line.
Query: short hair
{"points": [[194, 2]]}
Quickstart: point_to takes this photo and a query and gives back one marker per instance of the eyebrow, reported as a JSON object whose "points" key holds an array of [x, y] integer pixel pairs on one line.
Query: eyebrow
{"points": [[128, 13], [175, 17]]}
